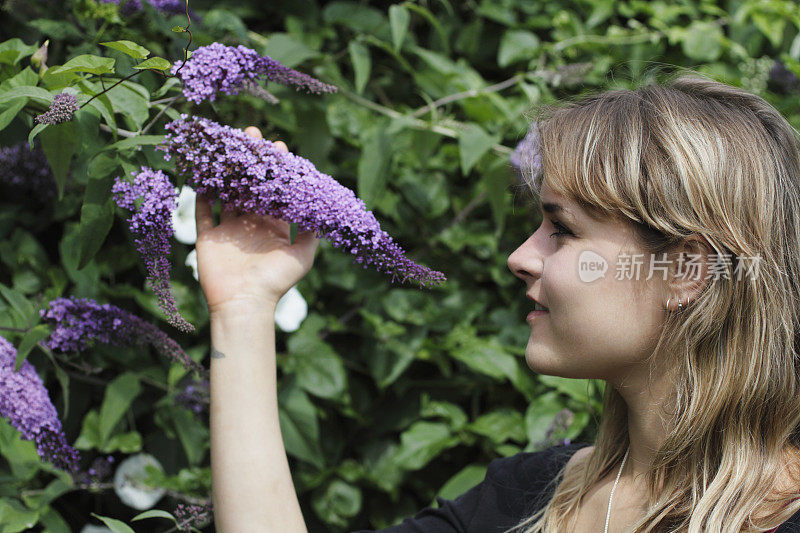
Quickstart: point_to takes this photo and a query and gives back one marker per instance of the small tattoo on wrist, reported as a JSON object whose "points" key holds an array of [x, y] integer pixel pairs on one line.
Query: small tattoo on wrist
{"points": [[216, 354]]}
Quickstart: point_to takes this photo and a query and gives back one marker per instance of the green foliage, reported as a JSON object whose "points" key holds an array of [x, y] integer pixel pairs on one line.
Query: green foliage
{"points": [[388, 396]]}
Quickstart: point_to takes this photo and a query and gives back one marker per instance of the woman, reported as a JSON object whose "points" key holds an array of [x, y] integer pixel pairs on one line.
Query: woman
{"points": [[667, 261]]}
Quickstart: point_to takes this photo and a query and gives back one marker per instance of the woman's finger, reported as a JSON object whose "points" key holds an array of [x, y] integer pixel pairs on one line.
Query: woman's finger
{"points": [[281, 146], [252, 131], [203, 219]]}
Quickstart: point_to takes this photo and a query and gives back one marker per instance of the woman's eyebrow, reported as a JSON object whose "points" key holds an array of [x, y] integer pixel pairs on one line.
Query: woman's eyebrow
{"points": [[553, 208]]}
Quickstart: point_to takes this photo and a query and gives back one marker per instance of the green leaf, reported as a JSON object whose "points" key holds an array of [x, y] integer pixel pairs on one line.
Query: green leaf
{"points": [[119, 395], [288, 49], [500, 425], [336, 502], [178, 29], [158, 63], [37, 94], [398, 20], [359, 57], [113, 524], [19, 303], [13, 109], [60, 142], [154, 513], [13, 50], [703, 41], [516, 45], [139, 140], [495, 182], [34, 132], [97, 217], [539, 418], [128, 47], [54, 489], [299, 424], [373, 165], [467, 477], [85, 63], [192, 433], [130, 442], [16, 517], [577, 389], [422, 442], [473, 142], [57, 29], [89, 436], [33, 336], [771, 25], [318, 368]]}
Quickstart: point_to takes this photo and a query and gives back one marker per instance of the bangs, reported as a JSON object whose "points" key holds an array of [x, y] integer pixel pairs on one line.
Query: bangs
{"points": [[591, 153]]}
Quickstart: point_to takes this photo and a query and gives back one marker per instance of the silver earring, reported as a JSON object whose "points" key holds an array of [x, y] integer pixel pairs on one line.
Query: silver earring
{"points": [[680, 305]]}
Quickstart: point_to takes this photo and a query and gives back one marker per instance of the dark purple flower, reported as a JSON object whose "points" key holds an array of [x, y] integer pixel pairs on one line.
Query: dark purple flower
{"points": [[61, 110], [194, 396], [25, 173], [527, 156], [152, 198], [217, 68], [24, 401], [167, 7], [80, 322], [190, 515], [250, 174], [98, 472]]}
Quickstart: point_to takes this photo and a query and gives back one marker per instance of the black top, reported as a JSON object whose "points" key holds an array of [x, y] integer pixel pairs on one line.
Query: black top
{"points": [[514, 488]]}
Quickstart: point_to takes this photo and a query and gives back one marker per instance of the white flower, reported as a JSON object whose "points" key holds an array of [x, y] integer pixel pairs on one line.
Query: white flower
{"points": [[183, 217], [292, 309], [129, 472], [191, 260]]}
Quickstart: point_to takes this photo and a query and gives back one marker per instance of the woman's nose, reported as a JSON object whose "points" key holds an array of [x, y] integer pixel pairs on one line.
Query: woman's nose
{"points": [[526, 262]]}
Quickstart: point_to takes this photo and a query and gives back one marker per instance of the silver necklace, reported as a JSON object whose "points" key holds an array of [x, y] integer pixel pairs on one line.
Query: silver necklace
{"points": [[608, 514]]}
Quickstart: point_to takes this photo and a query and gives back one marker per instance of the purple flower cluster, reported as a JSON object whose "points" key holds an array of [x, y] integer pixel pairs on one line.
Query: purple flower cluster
{"points": [[167, 7], [24, 401], [61, 110], [152, 198], [99, 472], [527, 155], [250, 174], [80, 322], [191, 515], [194, 396], [25, 173], [217, 68]]}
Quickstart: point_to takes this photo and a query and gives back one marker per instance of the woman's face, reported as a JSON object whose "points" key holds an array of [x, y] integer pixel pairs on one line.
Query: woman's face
{"points": [[603, 318]]}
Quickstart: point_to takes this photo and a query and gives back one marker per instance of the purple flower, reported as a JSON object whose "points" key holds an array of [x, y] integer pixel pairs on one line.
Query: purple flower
{"points": [[191, 515], [527, 156], [24, 401], [194, 396], [250, 174], [61, 110], [217, 68], [98, 472], [25, 173], [152, 198], [80, 322], [167, 7]]}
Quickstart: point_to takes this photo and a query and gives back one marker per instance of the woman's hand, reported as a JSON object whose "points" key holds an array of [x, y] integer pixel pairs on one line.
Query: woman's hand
{"points": [[247, 260]]}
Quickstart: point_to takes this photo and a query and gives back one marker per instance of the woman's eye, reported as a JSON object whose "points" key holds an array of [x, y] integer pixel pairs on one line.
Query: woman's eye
{"points": [[562, 231]]}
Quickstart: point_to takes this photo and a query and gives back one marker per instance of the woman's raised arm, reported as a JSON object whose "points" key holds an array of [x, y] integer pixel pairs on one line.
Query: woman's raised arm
{"points": [[245, 264]]}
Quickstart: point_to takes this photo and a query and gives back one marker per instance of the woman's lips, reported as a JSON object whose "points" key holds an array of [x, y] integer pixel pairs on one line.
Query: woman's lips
{"points": [[534, 314]]}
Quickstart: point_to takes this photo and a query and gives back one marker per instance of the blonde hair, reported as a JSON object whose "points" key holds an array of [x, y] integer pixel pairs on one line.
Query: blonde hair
{"points": [[694, 155]]}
